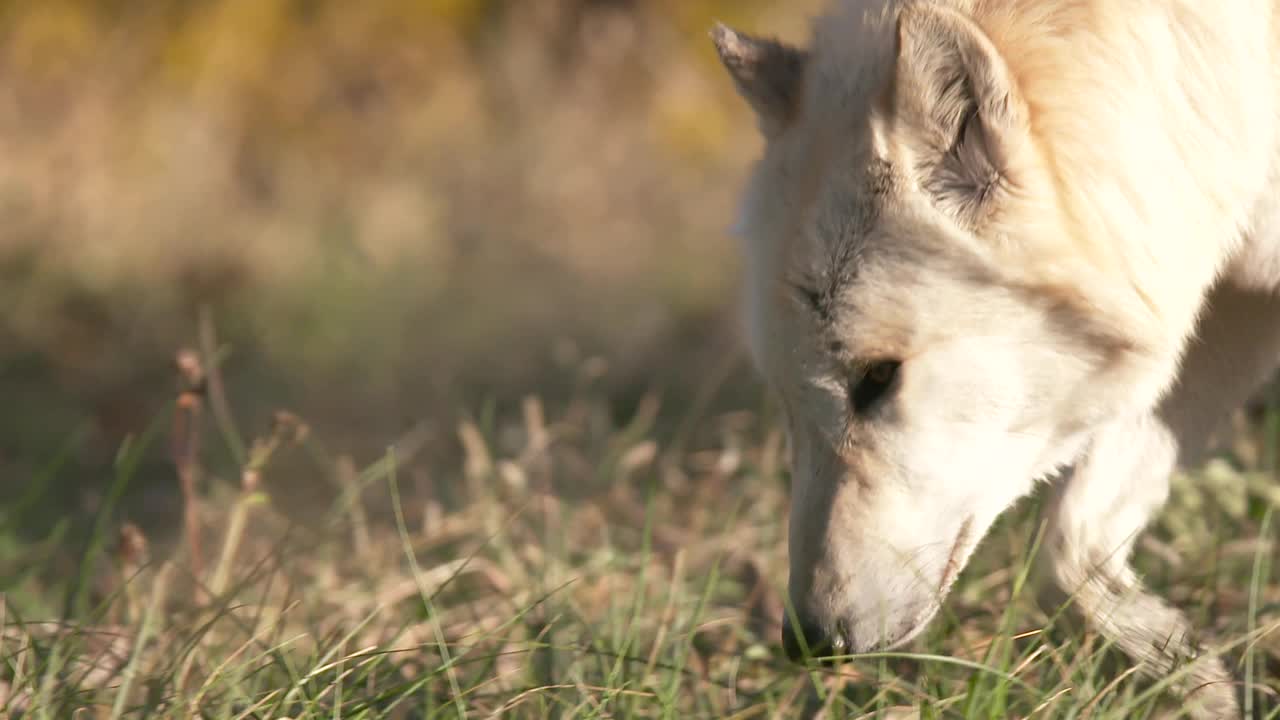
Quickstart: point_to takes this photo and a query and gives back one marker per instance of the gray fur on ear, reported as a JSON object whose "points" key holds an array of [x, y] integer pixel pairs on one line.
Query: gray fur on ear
{"points": [[768, 73], [954, 85]]}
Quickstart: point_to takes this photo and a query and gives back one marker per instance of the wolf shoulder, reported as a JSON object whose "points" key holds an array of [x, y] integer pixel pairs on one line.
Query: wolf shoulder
{"points": [[1182, 100]]}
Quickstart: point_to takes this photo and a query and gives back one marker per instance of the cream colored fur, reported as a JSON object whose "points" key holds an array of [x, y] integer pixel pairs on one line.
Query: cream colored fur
{"points": [[1062, 219]]}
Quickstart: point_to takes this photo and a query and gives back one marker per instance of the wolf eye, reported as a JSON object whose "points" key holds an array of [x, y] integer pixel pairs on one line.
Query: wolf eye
{"points": [[871, 387]]}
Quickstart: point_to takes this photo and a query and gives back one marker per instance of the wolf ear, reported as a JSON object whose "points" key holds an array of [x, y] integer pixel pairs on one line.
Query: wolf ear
{"points": [[956, 91], [769, 74]]}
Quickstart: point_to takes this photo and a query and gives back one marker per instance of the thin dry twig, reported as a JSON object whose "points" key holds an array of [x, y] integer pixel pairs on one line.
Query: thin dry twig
{"points": [[184, 451]]}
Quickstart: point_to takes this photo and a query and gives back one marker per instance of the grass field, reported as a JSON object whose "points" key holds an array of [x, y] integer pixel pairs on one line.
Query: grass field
{"points": [[479, 248], [568, 565]]}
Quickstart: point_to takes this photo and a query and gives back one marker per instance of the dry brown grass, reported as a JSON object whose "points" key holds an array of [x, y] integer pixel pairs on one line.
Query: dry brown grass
{"points": [[569, 566]]}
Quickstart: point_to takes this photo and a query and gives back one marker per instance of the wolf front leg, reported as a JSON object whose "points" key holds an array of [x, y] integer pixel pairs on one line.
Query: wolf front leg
{"points": [[1096, 514], [1094, 519]]}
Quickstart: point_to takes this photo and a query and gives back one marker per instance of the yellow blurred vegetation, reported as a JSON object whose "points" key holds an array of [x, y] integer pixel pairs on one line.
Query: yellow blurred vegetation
{"points": [[403, 202]]}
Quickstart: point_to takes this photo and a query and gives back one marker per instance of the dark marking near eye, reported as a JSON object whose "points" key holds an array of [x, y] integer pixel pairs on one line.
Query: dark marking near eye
{"points": [[816, 300], [873, 386]]}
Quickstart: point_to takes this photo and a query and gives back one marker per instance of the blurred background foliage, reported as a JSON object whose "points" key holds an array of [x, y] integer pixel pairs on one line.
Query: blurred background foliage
{"points": [[394, 211]]}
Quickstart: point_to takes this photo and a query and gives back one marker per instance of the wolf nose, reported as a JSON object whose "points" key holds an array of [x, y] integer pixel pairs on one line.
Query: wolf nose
{"points": [[818, 642]]}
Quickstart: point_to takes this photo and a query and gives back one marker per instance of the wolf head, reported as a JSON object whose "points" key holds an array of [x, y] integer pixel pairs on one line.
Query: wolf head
{"points": [[937, 334]]}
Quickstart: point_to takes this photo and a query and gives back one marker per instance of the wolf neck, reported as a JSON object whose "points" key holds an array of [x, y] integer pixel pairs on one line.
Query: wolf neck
{"points": [[1156, 164]]}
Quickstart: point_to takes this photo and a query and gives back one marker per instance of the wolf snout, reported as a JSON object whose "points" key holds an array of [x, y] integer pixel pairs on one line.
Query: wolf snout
{"points": [[810, 640]]}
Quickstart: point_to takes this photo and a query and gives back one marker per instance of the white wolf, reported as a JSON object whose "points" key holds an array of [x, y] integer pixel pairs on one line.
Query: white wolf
{"points": [[992, 240]]}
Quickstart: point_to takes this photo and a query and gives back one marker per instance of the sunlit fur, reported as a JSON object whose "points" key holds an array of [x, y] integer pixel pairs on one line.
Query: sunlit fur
{"points": [[1062, 217]]}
